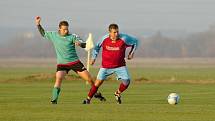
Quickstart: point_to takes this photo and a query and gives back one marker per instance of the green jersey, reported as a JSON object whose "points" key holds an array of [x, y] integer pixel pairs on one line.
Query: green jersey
{"points": [[64, 46]]}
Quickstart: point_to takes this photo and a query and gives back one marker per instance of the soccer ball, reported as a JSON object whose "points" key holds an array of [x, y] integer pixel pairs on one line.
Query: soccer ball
{"points": [[173, 98]]}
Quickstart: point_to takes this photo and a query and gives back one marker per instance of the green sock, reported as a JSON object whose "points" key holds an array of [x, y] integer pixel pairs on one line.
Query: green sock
{"points": [[55, 93]]}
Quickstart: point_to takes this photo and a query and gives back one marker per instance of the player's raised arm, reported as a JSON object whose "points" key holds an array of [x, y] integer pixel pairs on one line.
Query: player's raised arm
{"points": [[40, 28]]}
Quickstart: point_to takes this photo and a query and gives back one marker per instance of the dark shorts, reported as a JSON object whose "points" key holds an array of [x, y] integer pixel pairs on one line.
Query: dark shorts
{"points": [[77, 67]]}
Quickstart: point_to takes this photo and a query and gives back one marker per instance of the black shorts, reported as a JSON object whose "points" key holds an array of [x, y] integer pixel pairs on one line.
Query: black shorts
{"points": [[77, 67]]}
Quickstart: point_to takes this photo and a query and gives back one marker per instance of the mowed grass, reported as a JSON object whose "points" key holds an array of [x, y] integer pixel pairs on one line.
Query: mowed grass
{"points": [[25, 96], [30, 102]]}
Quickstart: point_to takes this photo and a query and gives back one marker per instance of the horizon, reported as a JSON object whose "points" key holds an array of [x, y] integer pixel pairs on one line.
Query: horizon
{"points": [[178, 26], [154, 15]]}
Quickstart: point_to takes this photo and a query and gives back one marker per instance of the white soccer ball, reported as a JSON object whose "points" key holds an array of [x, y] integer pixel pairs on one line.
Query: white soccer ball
{"points": [[173, 98]]}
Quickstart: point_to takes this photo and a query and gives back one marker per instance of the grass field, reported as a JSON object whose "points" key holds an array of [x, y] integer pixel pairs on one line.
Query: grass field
{"points": [[25, 94]]}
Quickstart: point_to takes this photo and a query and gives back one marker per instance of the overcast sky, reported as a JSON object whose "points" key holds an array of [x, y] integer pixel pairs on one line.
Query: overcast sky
{"points": [[186, 15]]}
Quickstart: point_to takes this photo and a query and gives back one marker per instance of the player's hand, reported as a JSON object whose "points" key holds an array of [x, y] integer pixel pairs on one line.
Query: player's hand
{"points": [[77, 43], [37, 20], [130, 56], [92, 61]]}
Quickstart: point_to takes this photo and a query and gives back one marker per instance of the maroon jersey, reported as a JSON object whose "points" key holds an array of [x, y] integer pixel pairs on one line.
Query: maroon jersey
{"points": [[113, 52]]}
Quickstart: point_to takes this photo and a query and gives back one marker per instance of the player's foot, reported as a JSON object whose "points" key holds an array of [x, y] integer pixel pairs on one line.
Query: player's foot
{"points": [[118, 98], [99, 96], [54, 101], [86, 101]]}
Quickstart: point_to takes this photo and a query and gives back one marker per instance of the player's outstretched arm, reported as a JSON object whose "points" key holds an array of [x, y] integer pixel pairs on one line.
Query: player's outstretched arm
{"points": [[131, 42], [97, 48], [131, 53], [82, 45], [40, 28], [92, 61], [79, 41]]}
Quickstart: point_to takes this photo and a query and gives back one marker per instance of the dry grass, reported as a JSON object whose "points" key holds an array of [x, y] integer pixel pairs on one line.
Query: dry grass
{"points": [[145, 70], [143, 80], [136, 62]]}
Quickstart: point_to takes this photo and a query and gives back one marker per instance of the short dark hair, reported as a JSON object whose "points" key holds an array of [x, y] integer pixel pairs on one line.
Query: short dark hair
{"points": [[63, 23], [113, 26]]}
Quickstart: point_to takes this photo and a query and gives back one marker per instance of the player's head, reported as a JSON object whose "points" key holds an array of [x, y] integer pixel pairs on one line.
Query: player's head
{"points": [[63, 28], [113, 31]]}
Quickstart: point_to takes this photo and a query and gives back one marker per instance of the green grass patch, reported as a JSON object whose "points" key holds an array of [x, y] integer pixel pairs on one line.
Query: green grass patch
{"points": [[31, 101], [25, 96]]}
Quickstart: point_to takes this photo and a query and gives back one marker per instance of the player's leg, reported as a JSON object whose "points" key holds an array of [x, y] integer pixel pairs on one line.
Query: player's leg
{"points": [[102, 75], [93, 91], [87, 77], [60, 75], [123, 75], [82, 72]]}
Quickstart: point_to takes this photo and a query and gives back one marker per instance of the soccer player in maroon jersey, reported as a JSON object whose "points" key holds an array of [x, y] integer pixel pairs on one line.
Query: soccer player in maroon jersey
{"points": [[113, 47]]}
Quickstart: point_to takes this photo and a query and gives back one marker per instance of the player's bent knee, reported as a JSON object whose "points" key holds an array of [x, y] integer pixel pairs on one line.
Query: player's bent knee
{"points": [[59, 78], [126, 82], [98, 83]]}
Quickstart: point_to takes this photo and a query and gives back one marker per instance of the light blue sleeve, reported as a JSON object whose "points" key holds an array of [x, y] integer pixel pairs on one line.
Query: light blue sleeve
{"points": [[97, 47], [129, 40]]}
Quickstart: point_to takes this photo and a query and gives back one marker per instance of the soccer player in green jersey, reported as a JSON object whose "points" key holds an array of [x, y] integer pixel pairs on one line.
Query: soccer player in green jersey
{"points": [[67, 59]]}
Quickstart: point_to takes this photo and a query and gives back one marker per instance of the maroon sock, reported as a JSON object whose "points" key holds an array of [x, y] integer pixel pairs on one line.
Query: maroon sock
{"points": [[92, 91], [123, 87]]}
